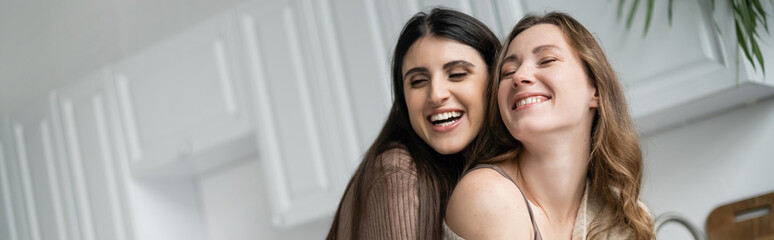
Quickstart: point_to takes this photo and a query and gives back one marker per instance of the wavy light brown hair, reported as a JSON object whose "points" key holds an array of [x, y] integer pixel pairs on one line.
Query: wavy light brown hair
{"points": [[615, 160]]}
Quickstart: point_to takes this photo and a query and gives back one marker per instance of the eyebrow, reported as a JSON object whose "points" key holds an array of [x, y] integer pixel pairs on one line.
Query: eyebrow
{"points": [[413, 70], [544, 48], [458, 62], [536, 50], [445, 66], [511, 58]]}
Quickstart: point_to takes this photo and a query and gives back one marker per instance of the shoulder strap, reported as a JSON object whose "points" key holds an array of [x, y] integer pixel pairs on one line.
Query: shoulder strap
{"points": [[529, 209]]}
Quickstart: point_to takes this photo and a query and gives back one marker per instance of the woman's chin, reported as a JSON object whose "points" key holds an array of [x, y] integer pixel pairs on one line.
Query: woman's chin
{"points": [[447, 148]]}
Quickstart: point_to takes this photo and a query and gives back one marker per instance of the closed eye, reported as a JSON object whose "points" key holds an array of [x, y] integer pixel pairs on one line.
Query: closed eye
{"points": [[507, 74], [458, 75], [416, 83], [547, 61]]}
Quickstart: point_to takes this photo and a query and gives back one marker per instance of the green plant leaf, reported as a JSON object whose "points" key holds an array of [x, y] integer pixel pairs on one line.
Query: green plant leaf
{"points": [[669, 12], [648, 17], [740, 39], [748, 21], [758, 55], [761, 14], [748, 14], [632, 12]]}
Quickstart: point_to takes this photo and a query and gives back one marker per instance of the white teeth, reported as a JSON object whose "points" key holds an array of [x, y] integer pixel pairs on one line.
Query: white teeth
{"points": [[535, 99], [444, 116], [444, 124]]}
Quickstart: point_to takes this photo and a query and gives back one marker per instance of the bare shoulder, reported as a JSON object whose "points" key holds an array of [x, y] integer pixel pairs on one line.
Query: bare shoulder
{"points": [[486, 205]]}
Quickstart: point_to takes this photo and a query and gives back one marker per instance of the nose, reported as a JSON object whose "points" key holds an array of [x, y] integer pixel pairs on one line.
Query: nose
{"points": [[439, 92], [522, 77]]}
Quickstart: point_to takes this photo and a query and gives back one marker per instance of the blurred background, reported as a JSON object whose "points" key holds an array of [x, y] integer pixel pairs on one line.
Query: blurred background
{"points": [[245, 119]]}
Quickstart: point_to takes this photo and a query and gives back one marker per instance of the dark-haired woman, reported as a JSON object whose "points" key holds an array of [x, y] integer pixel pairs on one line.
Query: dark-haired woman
{"points": [[441, 68], [574, 167]]}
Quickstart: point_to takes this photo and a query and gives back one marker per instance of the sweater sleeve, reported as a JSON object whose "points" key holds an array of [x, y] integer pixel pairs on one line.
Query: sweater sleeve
{"points": [[392, 203]]}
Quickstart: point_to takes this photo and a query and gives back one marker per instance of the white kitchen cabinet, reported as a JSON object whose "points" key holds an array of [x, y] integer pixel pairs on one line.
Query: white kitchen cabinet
{"points": [[45, 209], [304, 125], [12, 222], [97, 174], [675, 74], [7, 218], [181, 104], [364, 57]]}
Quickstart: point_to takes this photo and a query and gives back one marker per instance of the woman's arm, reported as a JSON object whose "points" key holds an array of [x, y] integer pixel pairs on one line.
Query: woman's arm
{"points": [[391, 206]]}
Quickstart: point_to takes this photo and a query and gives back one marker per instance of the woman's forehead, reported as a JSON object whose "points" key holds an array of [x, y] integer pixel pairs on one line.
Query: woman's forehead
{"points": [[538, 38]]}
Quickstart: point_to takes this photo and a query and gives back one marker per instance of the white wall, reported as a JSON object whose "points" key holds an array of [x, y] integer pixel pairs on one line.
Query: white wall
{"points": [[701, 165], [235, 206]]}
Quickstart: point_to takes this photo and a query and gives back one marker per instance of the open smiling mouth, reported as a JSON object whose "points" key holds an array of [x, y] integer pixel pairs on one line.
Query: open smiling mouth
{"points": [[445, 118], [529, 101]]}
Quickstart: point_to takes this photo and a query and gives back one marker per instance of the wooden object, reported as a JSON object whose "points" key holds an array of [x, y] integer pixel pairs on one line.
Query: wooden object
{"points": [[751, 218]]}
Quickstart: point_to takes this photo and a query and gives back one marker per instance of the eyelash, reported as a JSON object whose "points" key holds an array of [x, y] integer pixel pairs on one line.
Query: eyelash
{"points": [[542, 62], [547, 61], [414, 83], [458, 75], [508, 73], [452, 76]]}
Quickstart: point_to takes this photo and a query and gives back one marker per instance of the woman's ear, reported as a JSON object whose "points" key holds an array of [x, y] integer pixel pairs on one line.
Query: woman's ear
{"points": [[595, 99]]}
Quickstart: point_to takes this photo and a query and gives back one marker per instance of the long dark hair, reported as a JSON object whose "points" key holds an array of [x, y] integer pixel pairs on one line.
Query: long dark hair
{"points": [[615, 162], [436, 174]]}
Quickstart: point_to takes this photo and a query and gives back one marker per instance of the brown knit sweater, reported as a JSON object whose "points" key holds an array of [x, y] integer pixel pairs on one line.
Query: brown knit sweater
{"points": [[392, 204]]}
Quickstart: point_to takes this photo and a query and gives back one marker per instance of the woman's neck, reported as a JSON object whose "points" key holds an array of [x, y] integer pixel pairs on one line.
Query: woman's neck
{"points": [[552, 171]]}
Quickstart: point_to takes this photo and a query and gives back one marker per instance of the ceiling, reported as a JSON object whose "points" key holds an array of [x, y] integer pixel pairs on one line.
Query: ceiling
{"points": [[45, 44]]}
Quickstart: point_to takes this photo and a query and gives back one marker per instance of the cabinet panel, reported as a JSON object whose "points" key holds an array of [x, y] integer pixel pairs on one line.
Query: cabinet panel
{"points": [[179, 101], [306, 138], [9, 228], [90, 146], [365, 57], [39, 165]]}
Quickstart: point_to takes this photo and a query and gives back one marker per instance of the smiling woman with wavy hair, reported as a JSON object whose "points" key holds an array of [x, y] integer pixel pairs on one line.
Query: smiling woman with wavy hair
{"points": [[573, 165]]}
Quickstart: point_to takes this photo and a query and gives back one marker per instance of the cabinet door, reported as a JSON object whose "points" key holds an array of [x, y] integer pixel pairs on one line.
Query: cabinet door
{"points": [[303, 112], [179, 101], [365, 59], [90, 143], [44, 190], [12, 221]]}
